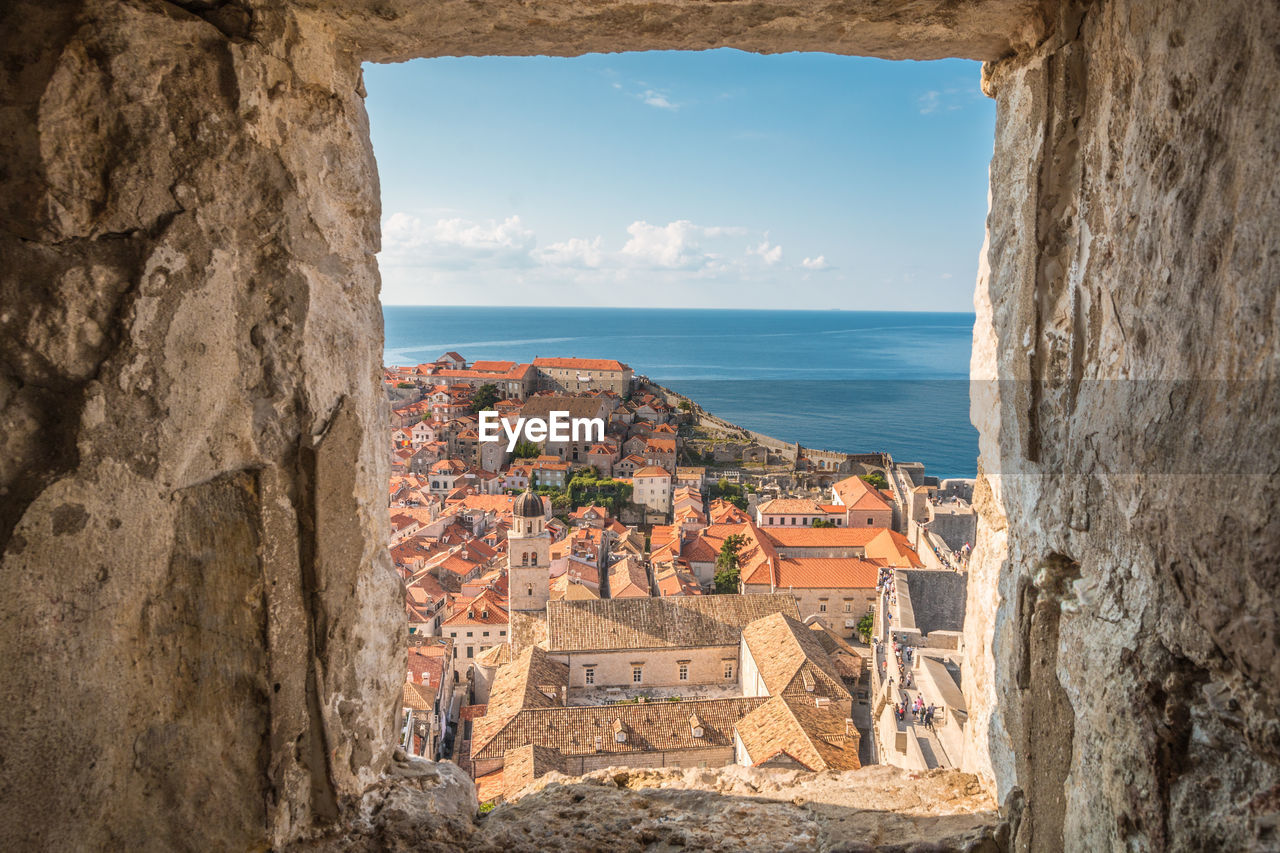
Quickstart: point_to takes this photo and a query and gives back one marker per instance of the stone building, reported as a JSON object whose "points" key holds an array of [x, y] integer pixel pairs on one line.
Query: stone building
{"points": [[863, 505], [529, 554], [655, 642], [651, 488], [576, 375], [788, 706]]}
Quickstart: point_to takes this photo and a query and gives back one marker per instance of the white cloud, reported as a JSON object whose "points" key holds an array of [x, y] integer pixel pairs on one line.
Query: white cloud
{"points": [[455, 243], [576, 252], [458, 249], [818, 263], [658, 99], [770, 254], [675, 245], [948, 99]]}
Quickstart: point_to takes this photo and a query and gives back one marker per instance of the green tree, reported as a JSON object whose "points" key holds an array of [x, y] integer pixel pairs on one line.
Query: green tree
{"points": [[526, 450], [484, 398], [588, 487], [725, 490], [876, 480], [865, 626], [726, 577], [686, 405], [822, 522], [404, 385]]}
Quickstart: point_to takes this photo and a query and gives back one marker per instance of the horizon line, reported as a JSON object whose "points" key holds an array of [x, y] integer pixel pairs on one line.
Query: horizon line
{"points": [[682, 308]]}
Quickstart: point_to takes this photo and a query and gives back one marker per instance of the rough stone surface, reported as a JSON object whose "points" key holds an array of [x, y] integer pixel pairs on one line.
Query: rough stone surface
{"points": [[425, 806], [1124, 675], [395, 30], [201, 636], [199, 633]]}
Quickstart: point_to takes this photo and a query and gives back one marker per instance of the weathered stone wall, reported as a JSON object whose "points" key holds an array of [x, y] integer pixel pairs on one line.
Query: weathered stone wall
{"points": [[192, 474], [1126, 677]]}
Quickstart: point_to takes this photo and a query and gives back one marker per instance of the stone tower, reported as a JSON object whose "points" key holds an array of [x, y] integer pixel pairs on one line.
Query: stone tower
{"points": [[529, 554]]}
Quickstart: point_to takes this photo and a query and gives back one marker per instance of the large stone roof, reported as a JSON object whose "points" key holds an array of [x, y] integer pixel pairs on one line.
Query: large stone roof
{"points": [[651, 727], [650, 623], [791, 659], [818, 738]]}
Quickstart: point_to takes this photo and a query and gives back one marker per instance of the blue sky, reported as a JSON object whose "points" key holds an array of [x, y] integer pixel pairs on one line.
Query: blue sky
{"points": [[667, 179]]}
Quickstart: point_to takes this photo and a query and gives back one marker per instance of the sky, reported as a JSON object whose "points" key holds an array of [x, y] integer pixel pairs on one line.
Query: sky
{"points": [[715, 179]]}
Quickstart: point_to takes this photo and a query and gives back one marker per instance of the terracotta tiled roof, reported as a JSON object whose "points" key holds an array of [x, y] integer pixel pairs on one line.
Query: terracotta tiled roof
{"points": [[794, 506], [577, 407], [492, 366], [651, 471], [791, 660], [419, 697], [651, 727], [671, 580], [856, 493], [522, 765], [628, 579], [566, 587], [649, 623], [815, 737], [580, 364], [485, 609], [498, 655], [531, 680], [822, 537], [723, 512], [430, 660], [826, 573]]}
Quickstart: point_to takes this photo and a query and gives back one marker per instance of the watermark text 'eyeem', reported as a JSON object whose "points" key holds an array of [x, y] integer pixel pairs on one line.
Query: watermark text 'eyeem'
{"points": [[558, 427]]}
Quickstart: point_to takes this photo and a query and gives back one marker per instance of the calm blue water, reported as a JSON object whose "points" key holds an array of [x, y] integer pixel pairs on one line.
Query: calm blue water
{"points": [[837, 380]]}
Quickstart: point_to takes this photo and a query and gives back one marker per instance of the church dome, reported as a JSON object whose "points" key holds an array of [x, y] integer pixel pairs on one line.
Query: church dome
{"points": [[528, 505]]}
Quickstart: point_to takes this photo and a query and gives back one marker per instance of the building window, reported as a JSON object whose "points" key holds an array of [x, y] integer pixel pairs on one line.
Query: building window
{"points": [[471, 652], [636, 675], [870, 521], [502, 633], [485, 634], [847, 607], [534, 560], [684, 672], [468, 633], [822, 608], [529, 591], [589, 675], [455, 652], [728, 669]]}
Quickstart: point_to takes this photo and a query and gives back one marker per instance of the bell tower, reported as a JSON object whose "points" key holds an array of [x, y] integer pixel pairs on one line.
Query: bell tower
{"points": [[529, 554]]}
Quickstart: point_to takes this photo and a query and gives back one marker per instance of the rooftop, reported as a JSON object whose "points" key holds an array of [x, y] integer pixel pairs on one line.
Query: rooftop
{"points": [[648, 623]]}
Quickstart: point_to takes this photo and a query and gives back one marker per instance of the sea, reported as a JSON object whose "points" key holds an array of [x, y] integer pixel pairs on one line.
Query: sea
{"points": [[853, 381]]}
